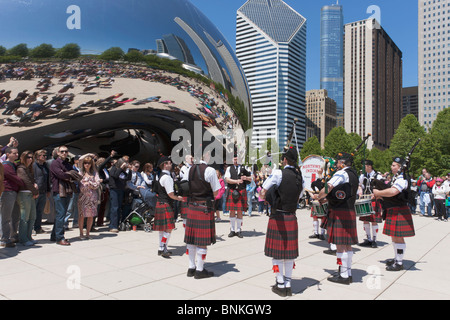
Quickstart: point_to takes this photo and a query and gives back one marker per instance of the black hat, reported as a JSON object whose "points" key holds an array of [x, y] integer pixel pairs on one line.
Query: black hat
{"points": [[290, 154], [398, 160], [344, 156], [368, 163], [162, 160]]}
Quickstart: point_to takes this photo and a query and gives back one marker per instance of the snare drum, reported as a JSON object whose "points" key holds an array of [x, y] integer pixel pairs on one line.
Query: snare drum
{"points": [[318, 209], [363, 207]]}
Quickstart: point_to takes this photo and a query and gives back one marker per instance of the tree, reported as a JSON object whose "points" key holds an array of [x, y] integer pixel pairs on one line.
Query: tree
{"points": [[69, 51], [20, 50], [337, 141], [2, 50], [382, 160], [112, 54], [43, 51], [134, 56], [311, 147]]}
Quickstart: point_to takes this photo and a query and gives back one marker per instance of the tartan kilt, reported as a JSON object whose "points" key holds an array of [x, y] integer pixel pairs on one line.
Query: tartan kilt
{"points": [[341, 227], [241, 204], [200, 226], [184, 206], [164, 217], [282, 237], [399, 222], [377, 217]]}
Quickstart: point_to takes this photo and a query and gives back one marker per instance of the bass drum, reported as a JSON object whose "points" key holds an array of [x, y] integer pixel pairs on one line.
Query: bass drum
{"points": [[310, 168]]}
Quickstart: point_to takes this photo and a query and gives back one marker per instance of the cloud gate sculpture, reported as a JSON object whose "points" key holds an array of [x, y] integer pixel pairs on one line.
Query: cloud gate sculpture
{"points": [[95, 105]]}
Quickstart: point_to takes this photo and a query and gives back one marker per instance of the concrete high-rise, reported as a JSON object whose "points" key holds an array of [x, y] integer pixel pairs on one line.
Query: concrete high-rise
{"points": [[320, 114], [372, 82], [332, 54], [271, 48], [433, 59]]}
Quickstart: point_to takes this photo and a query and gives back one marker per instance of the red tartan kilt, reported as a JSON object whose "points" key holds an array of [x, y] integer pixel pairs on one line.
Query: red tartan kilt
{"points": [[200, 226], [377, 218], [184, 208], [341, 227], [399, 222], [164, 217], [241, 204], [282, 237]]}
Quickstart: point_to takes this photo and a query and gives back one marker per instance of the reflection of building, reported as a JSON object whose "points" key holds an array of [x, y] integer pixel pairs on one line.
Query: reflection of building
{"points": [[332, 54], [372, 82], [176, 47], [410, 102], [271, 47], [320, 114]]}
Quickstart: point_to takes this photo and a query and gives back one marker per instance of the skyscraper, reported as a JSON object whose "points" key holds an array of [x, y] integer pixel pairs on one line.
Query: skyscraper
{"points": [[372, 82], [434, 74], [332, 54], [320, 114], [271, 47]]}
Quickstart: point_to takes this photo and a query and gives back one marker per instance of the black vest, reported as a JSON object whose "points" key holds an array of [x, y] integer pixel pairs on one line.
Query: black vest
{"points": [[163, 197], [343, 196], [236, 176], [199, 188], [290, 189], [399, 200]]}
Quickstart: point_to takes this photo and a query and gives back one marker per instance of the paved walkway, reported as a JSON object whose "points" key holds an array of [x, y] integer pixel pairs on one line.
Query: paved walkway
{"points": [[125, 266]]}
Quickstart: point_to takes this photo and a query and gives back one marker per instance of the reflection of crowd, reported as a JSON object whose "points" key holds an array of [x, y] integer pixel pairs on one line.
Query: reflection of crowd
{"points": [[28, 107]]}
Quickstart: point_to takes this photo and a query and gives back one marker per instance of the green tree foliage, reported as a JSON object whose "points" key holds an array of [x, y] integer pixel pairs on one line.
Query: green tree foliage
{"points": [[382, 160], [20, 50], [69, 51], [337, 141], [311, 147], [134, 56], [112, 54], [2, 50], [43, 51]]}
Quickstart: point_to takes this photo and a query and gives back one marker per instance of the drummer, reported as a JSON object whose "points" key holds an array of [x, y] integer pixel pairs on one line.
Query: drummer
{"points": [[370, 222], [341, 221], [316, 186], [398, 223]]}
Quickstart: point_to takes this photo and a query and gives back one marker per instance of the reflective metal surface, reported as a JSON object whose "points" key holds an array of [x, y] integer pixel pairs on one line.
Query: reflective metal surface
{"points": [[173, 29]]}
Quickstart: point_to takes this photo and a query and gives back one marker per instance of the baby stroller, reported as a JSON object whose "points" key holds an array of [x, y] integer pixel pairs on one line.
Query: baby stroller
{"points": [[142, 213]]}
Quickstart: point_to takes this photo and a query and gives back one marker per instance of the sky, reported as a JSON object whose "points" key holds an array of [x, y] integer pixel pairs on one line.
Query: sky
{"points": [[398, 18]]}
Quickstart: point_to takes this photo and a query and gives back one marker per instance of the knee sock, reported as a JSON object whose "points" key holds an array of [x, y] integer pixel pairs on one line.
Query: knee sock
{"points": [[288, 269], [233, 223], [367, 229], [278, 267], [399, 249], [349, 262], [161, 244], [164, 240], [201, 256], [238, 224], [184, 223], [374, 232], [316, 227], [342, 261], [191, 252]]}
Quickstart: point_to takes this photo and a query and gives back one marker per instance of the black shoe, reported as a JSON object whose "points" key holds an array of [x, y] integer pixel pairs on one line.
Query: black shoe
{"points": [[339, 279], [203, 274], [330, 252], [191, 272], [231, 234], [389, 262], [374, 244], [239, 234], [394, 267], [314, 236], [279, 291], [366, 243], [322, 237], [289, 292]]}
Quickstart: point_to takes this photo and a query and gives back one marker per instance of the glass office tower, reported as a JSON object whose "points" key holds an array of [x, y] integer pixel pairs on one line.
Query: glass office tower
{"points": [[331, 54]]}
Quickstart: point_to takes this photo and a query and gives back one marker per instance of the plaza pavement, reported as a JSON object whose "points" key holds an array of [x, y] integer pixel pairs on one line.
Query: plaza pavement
{"points": [[125, 266]]}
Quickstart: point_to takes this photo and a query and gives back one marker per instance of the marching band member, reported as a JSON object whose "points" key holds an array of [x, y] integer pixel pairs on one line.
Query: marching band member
{"points": [[164, 214], [200, 230], [399, 223], [370, 222], [283, 189], [236, 177], [341, 220]]}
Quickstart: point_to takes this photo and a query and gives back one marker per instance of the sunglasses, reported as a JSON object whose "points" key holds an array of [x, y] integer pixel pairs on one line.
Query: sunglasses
{"points": [[64, 151]]}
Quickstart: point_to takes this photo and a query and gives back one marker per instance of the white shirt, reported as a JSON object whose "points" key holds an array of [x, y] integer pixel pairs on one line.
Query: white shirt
{"points": [[340, 177], [184, 171], [275, 179], [228, 172], [440, 192], [166, 182], [400, 184]]}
